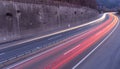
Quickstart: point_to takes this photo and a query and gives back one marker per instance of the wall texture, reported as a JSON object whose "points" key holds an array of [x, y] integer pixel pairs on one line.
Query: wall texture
{"points": [[88, 3], [21, 20]]}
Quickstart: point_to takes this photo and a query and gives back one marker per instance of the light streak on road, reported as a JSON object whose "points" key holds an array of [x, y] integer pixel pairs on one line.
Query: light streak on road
{"points": [[59, 56]]}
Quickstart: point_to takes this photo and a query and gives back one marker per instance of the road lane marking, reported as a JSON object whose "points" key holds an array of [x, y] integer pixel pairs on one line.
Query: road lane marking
{"points": [[44, 52], [85, 45], [79, 44], [9, 67], [3, 61], [14, 65], [71, 50], [2, 54], [62, 31], [96, 47], [55, 37]]}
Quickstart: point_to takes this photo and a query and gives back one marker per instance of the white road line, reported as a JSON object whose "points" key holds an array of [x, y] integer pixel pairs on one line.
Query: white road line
{"points": [[2, 54], [85, 24], [71, 49], [12, 66], [3, 61], [95, 48], [55, 37], [74, 48]]}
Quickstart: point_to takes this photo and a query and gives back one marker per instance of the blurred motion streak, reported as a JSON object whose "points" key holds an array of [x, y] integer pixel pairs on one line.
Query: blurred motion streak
{"points": [[66, 52]]}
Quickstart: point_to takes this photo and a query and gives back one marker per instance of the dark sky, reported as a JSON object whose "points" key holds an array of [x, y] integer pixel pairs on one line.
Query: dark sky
{"points": [[109, 3]]}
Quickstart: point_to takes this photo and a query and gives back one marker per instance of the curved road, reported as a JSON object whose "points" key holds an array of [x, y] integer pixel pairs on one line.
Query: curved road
{"points": [[94, 48]]}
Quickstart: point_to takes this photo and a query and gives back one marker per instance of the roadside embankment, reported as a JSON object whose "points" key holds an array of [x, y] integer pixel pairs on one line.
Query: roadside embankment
{"points": [[24, 20]]}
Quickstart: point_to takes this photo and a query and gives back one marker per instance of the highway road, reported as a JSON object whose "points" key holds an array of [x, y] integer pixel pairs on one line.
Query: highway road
{"points": [[107, 56], [29, 46], [84, 47]]}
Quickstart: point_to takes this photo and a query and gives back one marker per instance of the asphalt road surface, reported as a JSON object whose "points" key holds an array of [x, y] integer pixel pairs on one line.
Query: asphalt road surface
{"points": [[94, 46], [29, 46], [21, 49], [107, 56]]}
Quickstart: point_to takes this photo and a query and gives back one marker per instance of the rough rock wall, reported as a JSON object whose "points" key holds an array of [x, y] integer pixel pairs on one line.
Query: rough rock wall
{"points": [[20, 20]]}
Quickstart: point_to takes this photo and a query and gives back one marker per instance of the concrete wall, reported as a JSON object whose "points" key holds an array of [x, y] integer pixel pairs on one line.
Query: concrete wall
{"points": [[20, 20]]}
